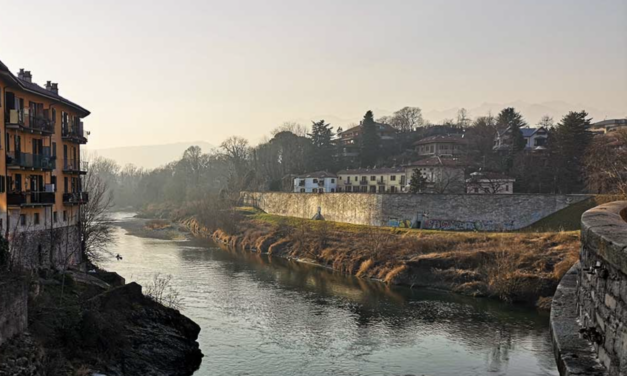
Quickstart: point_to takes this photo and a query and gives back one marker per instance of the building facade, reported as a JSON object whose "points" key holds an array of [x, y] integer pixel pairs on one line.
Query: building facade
{"points": [[316, 182], [452, 145], [377, 180], [40, 184]]}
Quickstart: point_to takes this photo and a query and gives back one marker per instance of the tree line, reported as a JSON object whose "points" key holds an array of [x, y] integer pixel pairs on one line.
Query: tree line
{"points": [[573, 161]]}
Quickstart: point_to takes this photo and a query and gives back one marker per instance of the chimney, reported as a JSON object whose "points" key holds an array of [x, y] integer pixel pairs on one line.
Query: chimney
{"points": [[25, 75], [52, 87]]}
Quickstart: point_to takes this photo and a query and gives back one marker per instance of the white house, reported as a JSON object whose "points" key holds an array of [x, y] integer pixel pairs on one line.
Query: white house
{"points": [[316, 182], [535, 139], [442, 175], [483, 183]]}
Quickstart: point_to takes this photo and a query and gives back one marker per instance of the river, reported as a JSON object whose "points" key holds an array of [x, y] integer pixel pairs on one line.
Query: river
{"points": [[268, 316]]}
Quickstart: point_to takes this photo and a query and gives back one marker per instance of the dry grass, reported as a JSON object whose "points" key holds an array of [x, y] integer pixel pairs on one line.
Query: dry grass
{"points": [[510, 266], [157, 224]]}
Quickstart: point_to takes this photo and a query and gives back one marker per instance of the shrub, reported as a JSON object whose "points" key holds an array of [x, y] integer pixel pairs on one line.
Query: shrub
{"points": [[160, 290]]}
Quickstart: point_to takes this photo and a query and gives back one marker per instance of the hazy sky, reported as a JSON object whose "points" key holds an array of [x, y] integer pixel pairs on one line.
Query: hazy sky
{"points": [[165, 71]]}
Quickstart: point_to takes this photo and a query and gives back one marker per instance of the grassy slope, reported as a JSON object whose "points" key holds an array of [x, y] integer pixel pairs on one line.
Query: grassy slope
{"points": [[569, 219]]}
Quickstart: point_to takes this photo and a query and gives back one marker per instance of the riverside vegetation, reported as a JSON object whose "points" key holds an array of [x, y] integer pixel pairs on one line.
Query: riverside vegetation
{"points": [[515, 267]]}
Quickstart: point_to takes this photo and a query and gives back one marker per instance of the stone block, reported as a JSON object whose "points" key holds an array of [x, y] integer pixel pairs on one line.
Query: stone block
{"points": [[610, 302]]}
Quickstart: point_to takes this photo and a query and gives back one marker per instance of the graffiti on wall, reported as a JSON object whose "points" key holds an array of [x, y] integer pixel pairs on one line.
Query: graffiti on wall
{"points": [[453, 225]]}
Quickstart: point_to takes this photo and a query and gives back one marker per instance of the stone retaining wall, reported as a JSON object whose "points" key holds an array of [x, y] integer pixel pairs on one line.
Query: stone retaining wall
{"points": [[589, 312], [13, 308], [440, 212]]}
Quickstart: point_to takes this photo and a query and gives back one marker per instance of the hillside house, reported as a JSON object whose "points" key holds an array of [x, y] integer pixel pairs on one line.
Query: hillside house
{"points": [[316, 182], [489, 183], [450, 145], [535, 139], [608, 126], [349, 140], [376, 180]]}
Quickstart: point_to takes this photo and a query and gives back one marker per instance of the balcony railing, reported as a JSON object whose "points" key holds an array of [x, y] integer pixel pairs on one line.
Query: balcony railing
{"points": [[74, 132], [16, 159], [74, 166], [75, 198], [363, 182], [26, 120], [30, 198]]}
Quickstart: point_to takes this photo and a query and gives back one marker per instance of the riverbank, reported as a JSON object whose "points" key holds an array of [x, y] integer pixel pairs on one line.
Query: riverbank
{"points": [[514, 267], [80, 324]]}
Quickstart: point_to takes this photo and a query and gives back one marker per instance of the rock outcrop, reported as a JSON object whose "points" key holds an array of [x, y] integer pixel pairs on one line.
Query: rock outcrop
{"points": [[142, 337]]}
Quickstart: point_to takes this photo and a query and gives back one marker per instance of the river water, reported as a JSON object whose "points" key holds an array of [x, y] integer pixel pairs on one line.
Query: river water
{"points": [[268, 316]]}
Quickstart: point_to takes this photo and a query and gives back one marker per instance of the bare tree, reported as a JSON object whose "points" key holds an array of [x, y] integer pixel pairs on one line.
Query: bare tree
{"points": [[292, 127], [448, 180], [95, 225], [463, 121], [407, 119], [605, 163], [546, 122]]}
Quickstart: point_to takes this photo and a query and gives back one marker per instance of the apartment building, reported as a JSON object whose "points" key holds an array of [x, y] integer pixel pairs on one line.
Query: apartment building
{"points": [[349, 140], [316, 182], [375, 180], [40, 184]]}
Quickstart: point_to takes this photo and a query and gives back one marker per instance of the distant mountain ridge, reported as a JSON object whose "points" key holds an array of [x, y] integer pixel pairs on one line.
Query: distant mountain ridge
{"points": [[149, 156]]}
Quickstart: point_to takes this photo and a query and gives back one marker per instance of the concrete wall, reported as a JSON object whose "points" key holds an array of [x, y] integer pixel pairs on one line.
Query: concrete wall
{"points": [[13, 309], [589, 312], [441, 212]]}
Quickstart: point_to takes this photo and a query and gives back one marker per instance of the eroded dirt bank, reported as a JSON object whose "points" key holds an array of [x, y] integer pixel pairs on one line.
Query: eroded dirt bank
{"points": [[514, 267]]}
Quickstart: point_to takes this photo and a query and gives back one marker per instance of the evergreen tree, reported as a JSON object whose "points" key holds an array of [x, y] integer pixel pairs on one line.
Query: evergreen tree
{"points": [[509, 118], [321, 157], [370, 141], [569, 142], [417, 182]]}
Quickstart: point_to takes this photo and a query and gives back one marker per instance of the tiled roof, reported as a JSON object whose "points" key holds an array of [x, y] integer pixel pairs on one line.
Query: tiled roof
{"points": [[476, 176], [366, 171], [449, 138], [317, 175], [387, 127], [437, 161], [36, 89]]}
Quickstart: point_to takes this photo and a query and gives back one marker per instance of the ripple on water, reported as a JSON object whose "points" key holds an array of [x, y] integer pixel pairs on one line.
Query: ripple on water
{"points": [[262, 316]]}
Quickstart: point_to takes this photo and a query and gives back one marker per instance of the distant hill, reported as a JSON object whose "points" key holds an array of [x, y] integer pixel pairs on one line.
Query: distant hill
{"points": [[149, 156]]}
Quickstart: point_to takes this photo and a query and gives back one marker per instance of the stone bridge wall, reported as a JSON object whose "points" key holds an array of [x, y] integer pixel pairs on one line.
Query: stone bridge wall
{"points": [[440, 212], [589, 312]]}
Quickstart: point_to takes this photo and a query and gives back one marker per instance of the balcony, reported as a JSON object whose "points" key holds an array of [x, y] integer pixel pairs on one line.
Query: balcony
{"points": [[26, 121], [73, 166], [363, 182], [30, 199], [75, 198], [74, 132], [26, 161]]}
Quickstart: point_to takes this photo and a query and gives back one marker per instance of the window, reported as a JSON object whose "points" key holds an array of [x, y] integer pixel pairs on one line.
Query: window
{"points": [[55, 217], [373, 189], [53, 181], [332, 181], [332, 190], [22, 219], [506, 187], [349, 189], [392, 189], [65, 216], [315, 181], [315, 190], [3, 186], [373, 178], [36, 218], [302, 190], [393, 177], [65, 185]]}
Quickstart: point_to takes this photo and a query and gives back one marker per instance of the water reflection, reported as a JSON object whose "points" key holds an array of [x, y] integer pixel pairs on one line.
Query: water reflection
{"points": [[269, 316]]}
